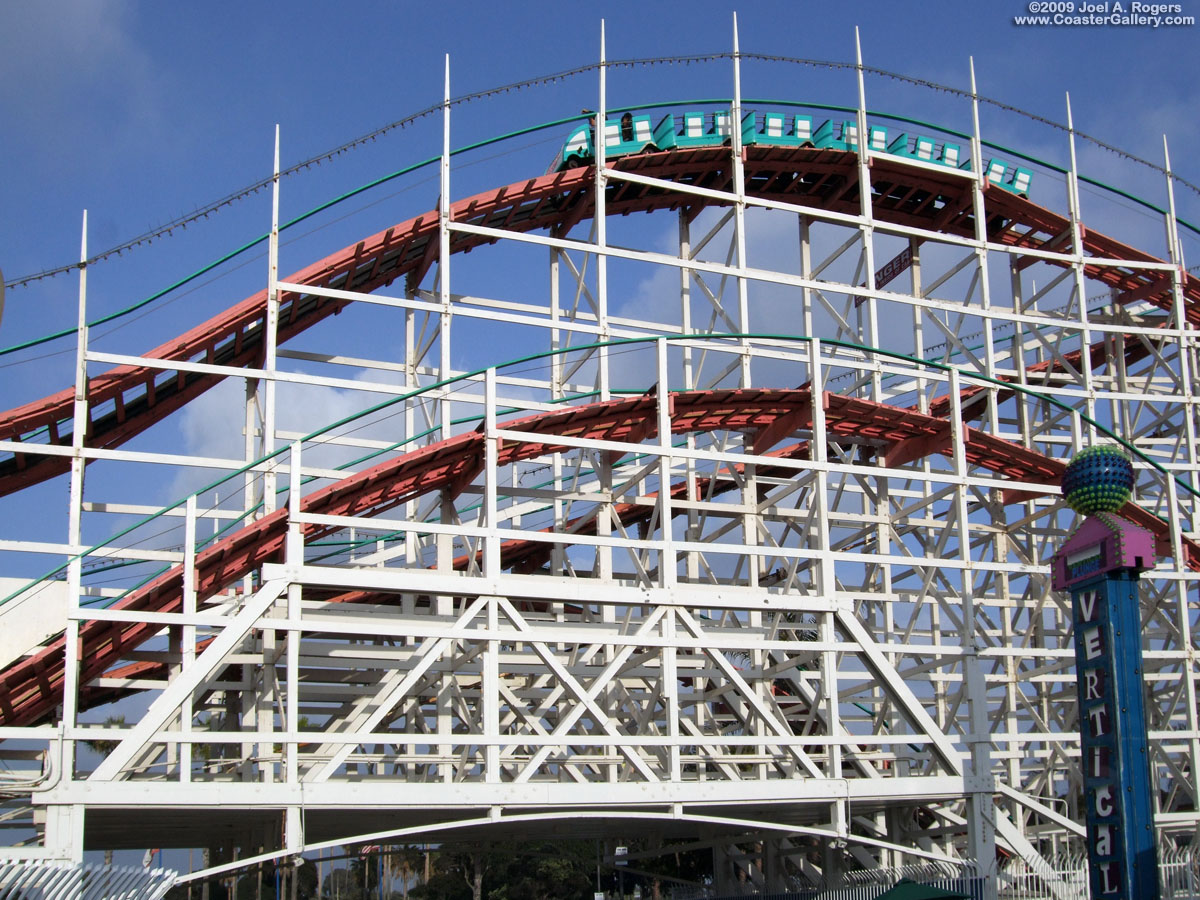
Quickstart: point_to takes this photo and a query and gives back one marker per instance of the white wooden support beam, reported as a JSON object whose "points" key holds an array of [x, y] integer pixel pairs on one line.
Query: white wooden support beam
{"points": [[172, 698]]}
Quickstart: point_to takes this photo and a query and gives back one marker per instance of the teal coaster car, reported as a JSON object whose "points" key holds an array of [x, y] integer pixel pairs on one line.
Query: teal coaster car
{"points": [[926, 150], [997, 172], [952, 156], [692, 129], [631, 134], [777, 130], [623, 136], [824, 138], [876, 137], [847, 136], [919, 147], [1020, 181]]}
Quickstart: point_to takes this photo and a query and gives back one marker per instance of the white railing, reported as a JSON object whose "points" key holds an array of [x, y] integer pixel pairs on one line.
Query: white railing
{"points": [[1066, 878], [47, 881], [865, 884], [1179, 873]]}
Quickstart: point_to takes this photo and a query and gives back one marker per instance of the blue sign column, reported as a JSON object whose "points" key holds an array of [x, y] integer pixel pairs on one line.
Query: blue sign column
{"points": [[1120, 807], [1099, 564]]}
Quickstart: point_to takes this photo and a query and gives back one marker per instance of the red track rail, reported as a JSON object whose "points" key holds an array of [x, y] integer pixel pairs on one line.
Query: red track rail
{"points": [[126, 400], [31, 688]]}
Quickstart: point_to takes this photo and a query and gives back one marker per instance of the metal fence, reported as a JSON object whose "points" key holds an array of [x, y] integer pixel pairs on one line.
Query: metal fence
{"points": [[47, 881], [866, 884], [1064, 878], [1179, 873], [1178, 877]]}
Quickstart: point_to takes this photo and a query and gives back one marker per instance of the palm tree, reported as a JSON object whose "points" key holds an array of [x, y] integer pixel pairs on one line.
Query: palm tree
{"points": [[404, 862]]}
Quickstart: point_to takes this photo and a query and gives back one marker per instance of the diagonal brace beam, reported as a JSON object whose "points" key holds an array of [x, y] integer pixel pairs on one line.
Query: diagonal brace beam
{"points": [[390, 694], [168, 703]]}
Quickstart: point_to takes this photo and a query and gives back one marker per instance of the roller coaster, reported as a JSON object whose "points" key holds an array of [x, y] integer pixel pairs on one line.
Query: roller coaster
{"points": [[632, 134], [676, 573]]}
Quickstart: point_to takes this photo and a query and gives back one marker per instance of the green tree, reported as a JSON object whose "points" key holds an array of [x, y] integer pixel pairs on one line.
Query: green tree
{"points": [[665, 868], [404, 865], [341, 884], [547, 870], [105, 747], [538, 870]]}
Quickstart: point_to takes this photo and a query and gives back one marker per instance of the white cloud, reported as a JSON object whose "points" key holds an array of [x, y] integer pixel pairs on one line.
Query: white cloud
{"points": [[213, 424]]}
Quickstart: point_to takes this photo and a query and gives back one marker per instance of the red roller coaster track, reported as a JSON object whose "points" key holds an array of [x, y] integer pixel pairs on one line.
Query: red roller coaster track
{"points": [[31, 688], [126, 400]]}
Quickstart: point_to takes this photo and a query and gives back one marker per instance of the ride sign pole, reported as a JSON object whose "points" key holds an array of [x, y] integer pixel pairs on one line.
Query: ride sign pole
{"points": [[1100, 564]]}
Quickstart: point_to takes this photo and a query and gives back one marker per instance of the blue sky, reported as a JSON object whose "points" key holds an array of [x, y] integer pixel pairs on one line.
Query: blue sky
{"points": [[141, 112], [144, 112]]}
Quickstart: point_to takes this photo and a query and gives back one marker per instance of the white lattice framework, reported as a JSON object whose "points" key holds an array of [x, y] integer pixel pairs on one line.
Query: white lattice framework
{"points": [[790, 584]]}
